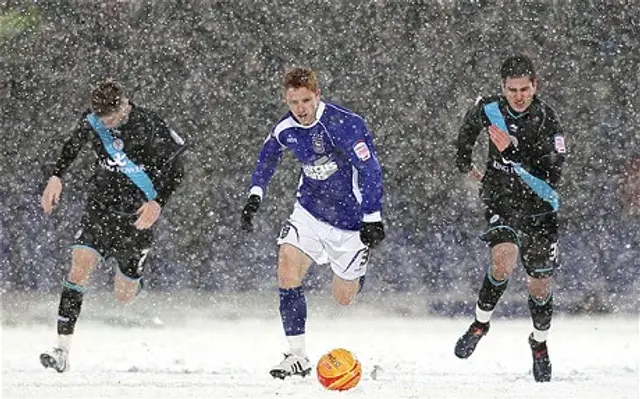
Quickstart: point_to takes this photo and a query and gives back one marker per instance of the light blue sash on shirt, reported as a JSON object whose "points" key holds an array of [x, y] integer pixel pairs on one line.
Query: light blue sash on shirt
{"points": [[133, 171], [539, 186]]}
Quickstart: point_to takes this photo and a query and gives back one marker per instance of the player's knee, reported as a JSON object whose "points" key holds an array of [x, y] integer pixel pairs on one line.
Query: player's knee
{"points": [[126, 289], [345, 292], [539, 288], [79, 275], [290, 267], [503, 257], [82, 265], [289, 277]]}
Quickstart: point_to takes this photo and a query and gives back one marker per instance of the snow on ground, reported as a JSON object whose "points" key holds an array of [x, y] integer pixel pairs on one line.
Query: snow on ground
{"points": [[215, 349]]}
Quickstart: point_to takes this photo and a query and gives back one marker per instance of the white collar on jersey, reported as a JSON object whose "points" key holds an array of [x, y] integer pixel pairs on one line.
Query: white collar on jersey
{"points": [[319, 112]]}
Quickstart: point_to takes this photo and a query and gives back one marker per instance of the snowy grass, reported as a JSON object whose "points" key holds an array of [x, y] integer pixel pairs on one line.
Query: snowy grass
{"points": [[172, 355]]}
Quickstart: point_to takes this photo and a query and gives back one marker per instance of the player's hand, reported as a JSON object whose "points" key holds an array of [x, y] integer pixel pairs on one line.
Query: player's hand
{"points": [[148, 214], [475, 173], [51, 194], [371, 233], [249, 211], [500, 138]]}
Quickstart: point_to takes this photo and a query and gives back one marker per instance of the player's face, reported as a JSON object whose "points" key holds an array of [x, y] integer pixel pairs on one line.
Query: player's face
{"points": [[303, 103], [519, 92]]}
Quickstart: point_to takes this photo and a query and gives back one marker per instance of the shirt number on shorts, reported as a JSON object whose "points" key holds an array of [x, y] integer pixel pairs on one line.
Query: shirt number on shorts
{"points": [[553, 252], [145, 253]]}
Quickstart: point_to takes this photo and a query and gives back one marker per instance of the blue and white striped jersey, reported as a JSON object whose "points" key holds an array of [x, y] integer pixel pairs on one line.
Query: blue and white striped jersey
{"points": [[341, 178]]}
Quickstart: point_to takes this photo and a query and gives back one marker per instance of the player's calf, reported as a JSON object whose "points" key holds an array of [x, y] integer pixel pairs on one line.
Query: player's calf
{"points": [[345, 291], [126, 289]]}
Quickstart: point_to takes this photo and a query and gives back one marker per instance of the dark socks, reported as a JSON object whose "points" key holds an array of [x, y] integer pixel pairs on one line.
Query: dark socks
{"points": [[69, 307], [490, 292], [541, 312]]}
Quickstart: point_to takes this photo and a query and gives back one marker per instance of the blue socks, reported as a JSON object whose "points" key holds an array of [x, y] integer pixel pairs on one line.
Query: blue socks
{"points": [[293, 310]]}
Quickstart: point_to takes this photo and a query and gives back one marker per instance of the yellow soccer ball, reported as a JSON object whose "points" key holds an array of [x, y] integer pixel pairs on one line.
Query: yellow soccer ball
{"points": [[339, 370]]}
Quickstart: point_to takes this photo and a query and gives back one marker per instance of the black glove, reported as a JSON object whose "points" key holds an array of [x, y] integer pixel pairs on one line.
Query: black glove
{"points": [[371, 233], [249, 211]]}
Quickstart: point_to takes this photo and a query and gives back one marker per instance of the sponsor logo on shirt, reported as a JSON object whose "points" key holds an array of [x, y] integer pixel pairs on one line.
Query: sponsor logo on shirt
{"points": [[118, 160], [118, 165], [502, 167], [322, 168], [320, 172]]}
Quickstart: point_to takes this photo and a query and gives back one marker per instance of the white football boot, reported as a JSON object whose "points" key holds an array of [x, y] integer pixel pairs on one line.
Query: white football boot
{"points": [[291, 365], [56, 358]]}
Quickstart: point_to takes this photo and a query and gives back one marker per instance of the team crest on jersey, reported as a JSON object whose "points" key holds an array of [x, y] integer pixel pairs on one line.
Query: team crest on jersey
{"points": [[362, 151], [559, 144], [118, 144], [317, 143]]}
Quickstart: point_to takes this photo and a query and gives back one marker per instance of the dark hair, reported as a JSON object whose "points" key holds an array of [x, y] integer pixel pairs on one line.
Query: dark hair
{"points": [[107, 97], [518, 66]]}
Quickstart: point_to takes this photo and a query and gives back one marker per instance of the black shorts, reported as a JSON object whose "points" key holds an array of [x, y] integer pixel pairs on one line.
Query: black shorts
{"points": [[535, 235], [113, 234]]}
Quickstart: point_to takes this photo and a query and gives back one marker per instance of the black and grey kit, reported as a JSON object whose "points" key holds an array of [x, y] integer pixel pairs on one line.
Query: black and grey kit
{"points": [[108, 222], [514, 212]]}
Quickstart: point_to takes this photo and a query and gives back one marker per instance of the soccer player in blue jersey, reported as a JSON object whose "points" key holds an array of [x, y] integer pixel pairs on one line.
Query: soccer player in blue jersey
{"points": [[336, 218]]}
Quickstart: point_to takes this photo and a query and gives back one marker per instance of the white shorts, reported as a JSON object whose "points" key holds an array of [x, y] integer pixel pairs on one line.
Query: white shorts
{"points": [[323, 243]]}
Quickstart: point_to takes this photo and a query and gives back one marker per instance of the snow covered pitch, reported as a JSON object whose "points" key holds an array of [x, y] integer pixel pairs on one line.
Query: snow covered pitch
{"points": [[223, 347]]}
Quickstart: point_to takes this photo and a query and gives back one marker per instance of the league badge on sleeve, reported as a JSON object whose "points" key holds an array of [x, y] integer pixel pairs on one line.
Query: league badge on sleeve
{"points": [[559, 144], [362, 151], [179, 140]]}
